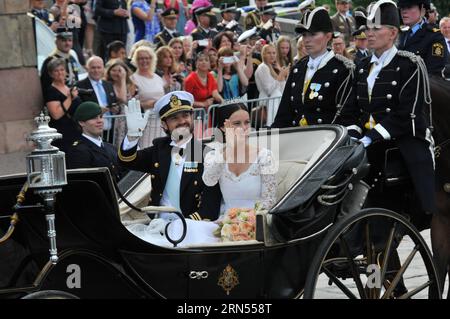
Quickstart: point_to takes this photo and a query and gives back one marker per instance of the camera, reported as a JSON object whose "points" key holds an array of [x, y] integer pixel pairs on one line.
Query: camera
{"points": [[203, 43], [228, 59]]}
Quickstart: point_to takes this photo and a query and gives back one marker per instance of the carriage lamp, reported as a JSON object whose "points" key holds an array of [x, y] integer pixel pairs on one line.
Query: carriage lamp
{"points": [[46, 171]]}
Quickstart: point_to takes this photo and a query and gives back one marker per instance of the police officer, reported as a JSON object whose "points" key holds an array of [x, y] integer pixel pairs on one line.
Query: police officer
{"points": [[206, 20], [89, 150], [421, 38], [229, 23], [319, 84], [170, 20], [175, 162], [389, 109]]}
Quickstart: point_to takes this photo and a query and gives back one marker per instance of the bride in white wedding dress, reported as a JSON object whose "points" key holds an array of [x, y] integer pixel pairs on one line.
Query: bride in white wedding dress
{"points": [[245, 173]]}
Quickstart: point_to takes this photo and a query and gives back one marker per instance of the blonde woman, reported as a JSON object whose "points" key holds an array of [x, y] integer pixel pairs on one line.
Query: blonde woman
{"points": [[301, 51], [284, 51], [176, 45], [151, 88], [119, 75], [270, 79], [167, 69]]}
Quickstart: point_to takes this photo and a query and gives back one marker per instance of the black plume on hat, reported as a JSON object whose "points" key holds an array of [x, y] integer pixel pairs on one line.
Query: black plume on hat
{"points": [[383, 12], [360, 15], [317, 20]]}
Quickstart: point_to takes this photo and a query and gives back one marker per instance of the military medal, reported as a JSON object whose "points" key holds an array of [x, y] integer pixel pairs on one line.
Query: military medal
{"points": [[370, 124], [191, 167], [315, 87]]}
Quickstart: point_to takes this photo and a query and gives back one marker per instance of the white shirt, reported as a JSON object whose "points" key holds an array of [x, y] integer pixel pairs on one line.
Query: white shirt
{"points": [[378, 64], [317, 63], [97, 141]]}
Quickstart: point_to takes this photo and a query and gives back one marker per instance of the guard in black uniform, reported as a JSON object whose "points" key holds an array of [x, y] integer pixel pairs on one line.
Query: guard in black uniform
{"points": [[389, 110], [421, 38], [229, 20], [90, 151], [170, 19], [175, 162], [206, 20], [318, 87], [269, 29]]}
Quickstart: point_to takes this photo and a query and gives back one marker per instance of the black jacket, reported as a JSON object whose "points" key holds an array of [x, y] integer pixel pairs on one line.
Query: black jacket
{"points": [[197, 201], [429, 43], [164, 37], [107, 22], [85, 154], [87, 92], [391, 105], [322, 96]]}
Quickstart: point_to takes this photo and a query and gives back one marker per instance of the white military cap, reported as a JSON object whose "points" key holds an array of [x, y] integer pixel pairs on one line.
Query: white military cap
{"points": [[174, 102], [247, 34]]}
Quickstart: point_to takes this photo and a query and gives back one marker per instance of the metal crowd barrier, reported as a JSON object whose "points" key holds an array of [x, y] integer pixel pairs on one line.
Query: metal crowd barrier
{"points": [[262, 114]]}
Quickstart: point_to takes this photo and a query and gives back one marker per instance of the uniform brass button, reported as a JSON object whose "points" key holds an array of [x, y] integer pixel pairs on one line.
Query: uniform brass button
{"points": [[195, 183], [388, 110], [293, 84], [149, 199], [318, 109], [361, 71], [293, 122], [156, 165], [320, 97], [335, 71], [296, 111], [397, 69], [357, 97], [197, 195], [319, 121], [327, 84], [292, 98], [153, 176], [295, 70], [389, 96], [394, 83]]}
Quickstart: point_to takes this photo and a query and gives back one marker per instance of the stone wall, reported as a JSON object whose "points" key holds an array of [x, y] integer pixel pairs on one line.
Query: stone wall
{"points": [[20, 91]]}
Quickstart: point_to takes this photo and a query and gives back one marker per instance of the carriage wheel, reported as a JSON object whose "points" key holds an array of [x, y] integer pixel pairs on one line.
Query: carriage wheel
{"points": [[50, 294], [373, 254]]}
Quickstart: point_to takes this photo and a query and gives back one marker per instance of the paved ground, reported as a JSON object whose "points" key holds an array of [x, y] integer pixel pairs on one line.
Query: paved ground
{"points": [[415, 275]]}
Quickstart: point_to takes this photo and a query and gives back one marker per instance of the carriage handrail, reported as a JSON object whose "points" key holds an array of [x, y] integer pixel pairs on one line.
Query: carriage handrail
{"points": [[168, 209]]}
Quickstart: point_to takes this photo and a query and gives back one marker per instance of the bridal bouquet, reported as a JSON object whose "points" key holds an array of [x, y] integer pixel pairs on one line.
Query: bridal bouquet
{"points": [[238, 224]]}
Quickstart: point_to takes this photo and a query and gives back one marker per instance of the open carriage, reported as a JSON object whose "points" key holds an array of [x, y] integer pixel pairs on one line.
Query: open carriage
{"points": [[319, 236]]}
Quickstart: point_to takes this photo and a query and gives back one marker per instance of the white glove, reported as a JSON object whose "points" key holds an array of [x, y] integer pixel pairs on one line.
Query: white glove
{"points": [[135, 121], [366, 141]]}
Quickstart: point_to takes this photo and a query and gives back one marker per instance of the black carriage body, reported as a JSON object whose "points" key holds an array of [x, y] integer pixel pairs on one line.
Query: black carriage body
{"points": [[110, 262]]}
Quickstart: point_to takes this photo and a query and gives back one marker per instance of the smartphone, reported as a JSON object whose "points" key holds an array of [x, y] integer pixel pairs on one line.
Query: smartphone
{"points": [[203, 43], [228, 59]]}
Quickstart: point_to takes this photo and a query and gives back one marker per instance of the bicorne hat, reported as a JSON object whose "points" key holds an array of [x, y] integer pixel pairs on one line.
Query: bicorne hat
{"points": [[409, 3], [317, 20], [383, 12]]}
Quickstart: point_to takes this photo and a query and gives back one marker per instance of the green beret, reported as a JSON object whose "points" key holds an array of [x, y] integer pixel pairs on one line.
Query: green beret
{"points": [[86, 111]]}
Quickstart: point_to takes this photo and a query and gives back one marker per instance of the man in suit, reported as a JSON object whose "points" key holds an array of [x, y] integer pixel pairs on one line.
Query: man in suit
{"points": [[90, 150], [94, 89], [175, 162], [342, 22], [421, 38], [444, 24], [112, 16], [170, 20], [64, 44]]}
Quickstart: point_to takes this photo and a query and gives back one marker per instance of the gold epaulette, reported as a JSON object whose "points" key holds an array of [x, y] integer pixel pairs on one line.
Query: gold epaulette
{"points": [[195, 216], [347, 62], [436, 30]]}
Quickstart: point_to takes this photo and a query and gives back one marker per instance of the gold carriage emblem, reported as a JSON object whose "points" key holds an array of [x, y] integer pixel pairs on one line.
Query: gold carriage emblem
{"points": [[228, 279], [175, 102], [437, 50]]}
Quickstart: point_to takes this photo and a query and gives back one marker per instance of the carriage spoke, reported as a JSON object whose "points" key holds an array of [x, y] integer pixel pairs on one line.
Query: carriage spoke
{"points": [[370, 256], [400, 273], [339, 283], [387, 254], [415, 291], [356, 278]]}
